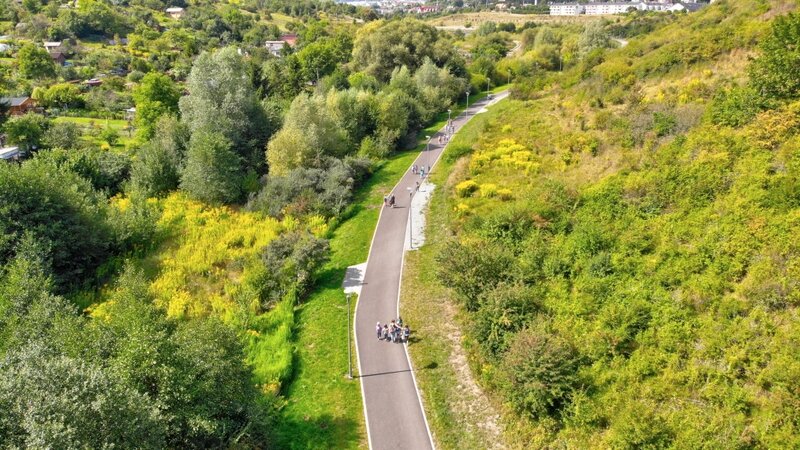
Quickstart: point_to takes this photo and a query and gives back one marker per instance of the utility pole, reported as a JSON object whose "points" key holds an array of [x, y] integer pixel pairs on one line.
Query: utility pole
{"points": [[466, 110]]}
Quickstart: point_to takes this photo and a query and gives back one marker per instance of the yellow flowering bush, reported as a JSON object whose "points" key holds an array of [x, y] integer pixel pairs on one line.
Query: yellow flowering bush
{"points": [[488, 190], [466, 188]]}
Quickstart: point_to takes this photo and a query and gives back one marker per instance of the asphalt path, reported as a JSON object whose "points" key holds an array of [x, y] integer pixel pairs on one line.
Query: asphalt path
{"points": [[392, 406]]}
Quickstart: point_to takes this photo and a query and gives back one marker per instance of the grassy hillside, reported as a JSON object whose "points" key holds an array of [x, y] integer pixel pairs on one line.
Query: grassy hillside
{"points": [[623, 251]]}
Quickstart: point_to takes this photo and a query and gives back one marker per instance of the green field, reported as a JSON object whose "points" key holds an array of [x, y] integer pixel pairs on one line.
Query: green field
{"points": [[91, 124]]}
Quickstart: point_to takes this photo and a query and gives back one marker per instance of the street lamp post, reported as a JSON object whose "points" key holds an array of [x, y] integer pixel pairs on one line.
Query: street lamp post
{"points": [[349, 356], [466, 110]]}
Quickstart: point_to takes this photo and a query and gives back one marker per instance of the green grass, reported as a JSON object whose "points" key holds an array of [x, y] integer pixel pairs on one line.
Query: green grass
{"points": [[88, 123], [323, 408], [117, 124], [453, 424]]}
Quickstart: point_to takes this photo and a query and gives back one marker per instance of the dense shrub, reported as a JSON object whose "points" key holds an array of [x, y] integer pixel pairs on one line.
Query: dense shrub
{"points": [[326, 190], [504, 311], [470, 268], [540, 372], [62, 211], [735, 107], [291, 261]]}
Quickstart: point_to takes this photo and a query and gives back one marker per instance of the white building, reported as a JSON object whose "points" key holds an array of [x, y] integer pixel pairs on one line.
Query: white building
{"points": [[275, 47], [654, 6], [565, 9], [603, 9], [608, 8], [176, 12]]}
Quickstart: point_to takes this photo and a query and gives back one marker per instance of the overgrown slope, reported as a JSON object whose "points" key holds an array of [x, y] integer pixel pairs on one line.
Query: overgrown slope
{"points": [[625, 250]]}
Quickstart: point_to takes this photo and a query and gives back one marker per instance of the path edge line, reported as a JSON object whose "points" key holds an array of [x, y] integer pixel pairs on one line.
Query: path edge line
{"points": [[355, 315]]}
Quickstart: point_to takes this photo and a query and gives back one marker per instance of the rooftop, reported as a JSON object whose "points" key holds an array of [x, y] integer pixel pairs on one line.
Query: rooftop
{"points": [[13, 101], [9, 152]]}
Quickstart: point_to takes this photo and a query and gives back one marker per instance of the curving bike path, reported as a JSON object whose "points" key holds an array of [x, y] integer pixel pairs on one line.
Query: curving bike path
{"points": [[392, 405]]}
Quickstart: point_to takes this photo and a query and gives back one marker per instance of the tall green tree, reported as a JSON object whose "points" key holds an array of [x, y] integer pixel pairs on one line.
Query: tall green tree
{"points": [[379, 48], [213, 170], [155, 96], [309, 134], [222, 97], [34, 62], [27, 131]]}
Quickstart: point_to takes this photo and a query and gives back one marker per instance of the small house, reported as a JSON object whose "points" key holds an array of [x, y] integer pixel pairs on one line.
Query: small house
{"points": [[53, 46], [18, 106], [275, 47], [58, 58], [176, 12]]}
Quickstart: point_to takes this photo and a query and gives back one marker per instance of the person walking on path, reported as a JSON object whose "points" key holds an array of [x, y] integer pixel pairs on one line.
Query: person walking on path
{"points": [[379, 330]]}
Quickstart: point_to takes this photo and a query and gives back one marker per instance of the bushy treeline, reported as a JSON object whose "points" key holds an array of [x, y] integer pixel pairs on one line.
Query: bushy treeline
{"points": [[129, 375], [648, 303]]}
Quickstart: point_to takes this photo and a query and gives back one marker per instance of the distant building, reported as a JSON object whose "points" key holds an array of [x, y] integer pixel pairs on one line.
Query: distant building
{"points": [[18, 106], [565, 9], [10, 153], [176, 12], [685, 6], [58, 58], [654, 6], [425, 9], [53, 46], [608, 8], [604, 9], [275, 47]]}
